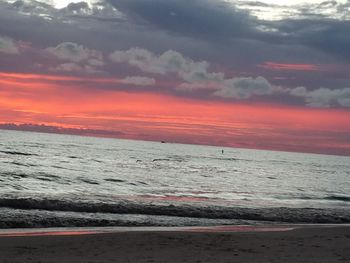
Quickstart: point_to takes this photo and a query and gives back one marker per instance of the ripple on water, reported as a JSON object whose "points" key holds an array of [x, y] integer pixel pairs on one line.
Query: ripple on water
{"points": [[88, 181], [114, 180], [19, 153]]}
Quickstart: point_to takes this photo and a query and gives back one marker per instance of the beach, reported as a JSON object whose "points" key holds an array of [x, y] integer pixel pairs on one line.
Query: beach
{"points": [[221, 244]]}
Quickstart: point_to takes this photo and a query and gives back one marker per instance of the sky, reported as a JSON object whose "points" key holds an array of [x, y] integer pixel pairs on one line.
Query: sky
{"points": [[254, 74]]}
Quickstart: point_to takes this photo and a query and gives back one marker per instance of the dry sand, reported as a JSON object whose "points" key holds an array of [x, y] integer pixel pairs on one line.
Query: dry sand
{"points": [[307, 244]]}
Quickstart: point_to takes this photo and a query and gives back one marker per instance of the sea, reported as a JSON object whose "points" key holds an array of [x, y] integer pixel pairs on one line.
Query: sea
{"points": [[54, 180]]}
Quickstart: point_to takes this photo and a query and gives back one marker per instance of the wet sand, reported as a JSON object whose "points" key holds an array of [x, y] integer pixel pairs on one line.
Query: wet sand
{"points": [[305, 244]]}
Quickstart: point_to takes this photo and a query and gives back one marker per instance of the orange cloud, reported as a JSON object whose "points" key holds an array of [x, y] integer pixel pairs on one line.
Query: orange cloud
{"points": [[284, 66], [65, 102]]}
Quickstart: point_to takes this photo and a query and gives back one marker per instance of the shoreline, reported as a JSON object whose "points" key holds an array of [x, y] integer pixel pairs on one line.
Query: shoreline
{"points": [[285, 243], [67, 231]]}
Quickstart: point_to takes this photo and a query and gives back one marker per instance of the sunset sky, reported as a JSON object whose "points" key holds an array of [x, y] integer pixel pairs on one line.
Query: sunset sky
{"points": [[255, 74]]}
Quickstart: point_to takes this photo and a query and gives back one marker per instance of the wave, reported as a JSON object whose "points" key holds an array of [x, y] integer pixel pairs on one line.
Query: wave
{"points": [[42, 176], [114, 180], [16, 175], [161, 159], [278, 214], [18, 153], [88, 181], [338, 198], [17, 218]]}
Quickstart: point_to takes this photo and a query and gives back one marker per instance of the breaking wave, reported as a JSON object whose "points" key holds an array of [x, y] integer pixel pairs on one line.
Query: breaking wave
{"points": [[282, 214], [338, 198]]}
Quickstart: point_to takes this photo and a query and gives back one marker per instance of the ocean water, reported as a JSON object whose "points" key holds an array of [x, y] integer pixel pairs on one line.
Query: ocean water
{"points": [[64, 180]]}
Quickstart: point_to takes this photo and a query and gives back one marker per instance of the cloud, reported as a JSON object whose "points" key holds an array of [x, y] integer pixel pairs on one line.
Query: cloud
{"points": [[67, 67], [168, 62], [195, 74], [270, 65], [138, 81], [244, 88], [75, 68], [8, 46], [296, 9], [298, 92], [323, 28], [323, 97], [31, 8], [78, 58], [97, 10], [209, 86], [74, 52], [80, 8], [49, 11], [57, 129], [329, 36], [197, 18], [239, 88], [178, 39], [141, 58]]}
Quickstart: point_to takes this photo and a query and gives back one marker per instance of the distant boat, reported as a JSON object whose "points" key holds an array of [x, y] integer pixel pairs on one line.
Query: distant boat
{"points": [[162, 141]]}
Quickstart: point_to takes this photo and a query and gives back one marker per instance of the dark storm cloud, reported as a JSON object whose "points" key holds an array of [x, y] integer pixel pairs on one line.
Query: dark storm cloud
{"points": [[218, 22], [81, 7], [242, 39], [197, 18], [105, 29], [139, 22], [47, 26], [330, 36]]}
